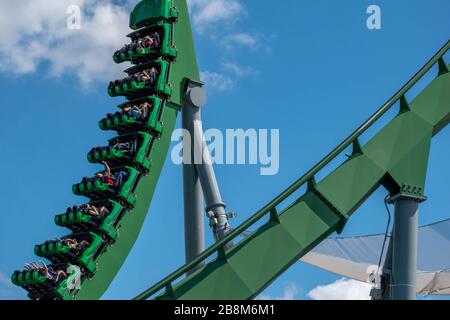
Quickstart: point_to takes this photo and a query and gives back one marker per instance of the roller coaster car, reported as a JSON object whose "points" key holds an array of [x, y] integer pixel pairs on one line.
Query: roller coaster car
{"points": [[149, 12], [40, 287], [133, 87], [79, 248], [123, 122], [138, 53], [78, 218], [133, 148], [98, 189]]}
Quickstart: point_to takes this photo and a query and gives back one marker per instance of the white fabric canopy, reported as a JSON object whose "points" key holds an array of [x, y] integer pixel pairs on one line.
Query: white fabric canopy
{"points": [[357, 257]]}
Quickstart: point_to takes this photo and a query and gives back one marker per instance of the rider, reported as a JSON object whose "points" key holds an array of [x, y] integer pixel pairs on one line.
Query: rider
{"points": [[49, 272], [31, 266], [95, 211], [146, 75], [106, 175], [130, 146], [114, 180], [52, 274], [74, 244], [151, 41], [153, 73], [135, 44], [120, 177], [135, 111]]}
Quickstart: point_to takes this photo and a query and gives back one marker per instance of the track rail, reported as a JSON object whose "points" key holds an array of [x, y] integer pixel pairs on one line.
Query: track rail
{"points": [[308, 177]]}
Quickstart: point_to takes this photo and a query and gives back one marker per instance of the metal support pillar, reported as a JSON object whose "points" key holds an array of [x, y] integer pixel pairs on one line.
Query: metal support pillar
{"points": [[198, 174], [404, 247], [194, 230], [215, 207]]}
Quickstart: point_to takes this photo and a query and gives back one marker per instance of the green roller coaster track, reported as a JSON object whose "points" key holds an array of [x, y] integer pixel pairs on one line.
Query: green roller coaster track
{"points": [[395, 158], [127, 218]]}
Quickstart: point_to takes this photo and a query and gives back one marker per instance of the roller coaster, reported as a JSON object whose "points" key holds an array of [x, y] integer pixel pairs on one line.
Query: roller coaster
{"points": [[104, 230]]}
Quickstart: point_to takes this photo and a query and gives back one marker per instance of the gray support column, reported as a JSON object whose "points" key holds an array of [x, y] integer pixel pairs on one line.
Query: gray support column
{"points": [[194, 233], [404, 247], [215, 206]]}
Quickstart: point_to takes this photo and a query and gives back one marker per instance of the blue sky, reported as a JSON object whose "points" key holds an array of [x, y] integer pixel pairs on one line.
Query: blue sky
{"points": [[309, 68]]}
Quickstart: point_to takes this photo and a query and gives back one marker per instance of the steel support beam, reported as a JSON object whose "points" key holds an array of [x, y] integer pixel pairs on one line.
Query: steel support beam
{"points": [[194, 233], [215, 207], [199, 176], [404, 247]]}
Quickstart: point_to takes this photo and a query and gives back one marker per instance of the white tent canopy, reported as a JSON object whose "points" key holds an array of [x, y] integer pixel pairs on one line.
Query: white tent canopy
{"points": [[357, 257]]}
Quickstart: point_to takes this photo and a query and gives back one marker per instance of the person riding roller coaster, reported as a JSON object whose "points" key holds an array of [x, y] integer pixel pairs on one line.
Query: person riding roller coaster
{"points": [[127, 147], [51, 274], [75, 245], [94, 210], [138, 112], [115, 180], [148, 76], [149, 41]]}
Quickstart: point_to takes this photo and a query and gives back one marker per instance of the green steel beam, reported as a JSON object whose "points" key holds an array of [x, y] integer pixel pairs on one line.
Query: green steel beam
{"points": [[396, 157]]}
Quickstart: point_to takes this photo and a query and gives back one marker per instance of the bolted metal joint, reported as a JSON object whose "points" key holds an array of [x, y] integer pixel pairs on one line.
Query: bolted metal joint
{"points": [[231, 215], [195, 94], [213, 221], [406, 196], [378, 286]]}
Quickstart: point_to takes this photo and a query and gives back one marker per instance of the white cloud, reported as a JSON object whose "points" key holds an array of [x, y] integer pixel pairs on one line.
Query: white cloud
{"points": [[34, 35], [243, 39], [212, 12], [290, 292], [238, 70], [216, 80], [342, 289], [35, 31], [209, 14], [223, 82]]}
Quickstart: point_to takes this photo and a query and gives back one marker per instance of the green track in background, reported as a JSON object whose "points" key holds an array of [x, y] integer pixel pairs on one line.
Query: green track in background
{"points": [[396, 158]]}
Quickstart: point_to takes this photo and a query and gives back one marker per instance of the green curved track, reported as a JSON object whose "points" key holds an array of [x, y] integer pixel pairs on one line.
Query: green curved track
{"points": [[147, 14], [395, 158], [185, 67]]}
